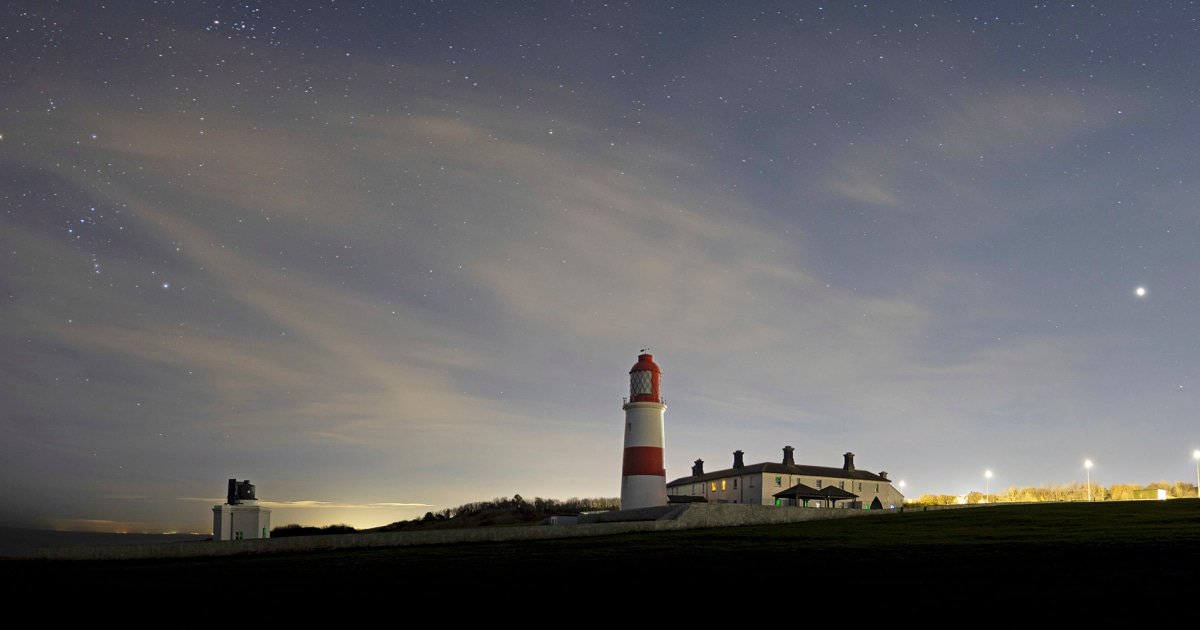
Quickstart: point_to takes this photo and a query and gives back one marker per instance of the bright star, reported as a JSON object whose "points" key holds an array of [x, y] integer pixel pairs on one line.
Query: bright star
{"points": [[1140, 291]]}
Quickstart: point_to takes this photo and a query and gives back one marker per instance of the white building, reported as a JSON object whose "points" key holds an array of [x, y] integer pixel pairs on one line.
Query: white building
{"points": [[788, 483], [241, 517]]}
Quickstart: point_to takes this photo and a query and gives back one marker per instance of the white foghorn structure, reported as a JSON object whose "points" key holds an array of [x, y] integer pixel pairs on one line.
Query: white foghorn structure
{"points": [[643, 477], [241, 518]]}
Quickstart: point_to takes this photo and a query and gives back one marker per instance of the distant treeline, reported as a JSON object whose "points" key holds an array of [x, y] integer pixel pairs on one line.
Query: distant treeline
{"points": [[1065, 492], [283, 531], [502, 511], [498, 511], [553, 507]]}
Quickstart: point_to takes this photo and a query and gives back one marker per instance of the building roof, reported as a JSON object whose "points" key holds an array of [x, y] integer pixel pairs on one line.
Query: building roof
{"points": [[800, 491], [788, 469], [837, 494]]}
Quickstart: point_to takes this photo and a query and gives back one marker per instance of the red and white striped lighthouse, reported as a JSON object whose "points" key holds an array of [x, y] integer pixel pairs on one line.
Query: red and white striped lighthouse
{"points": [[643, 478]]}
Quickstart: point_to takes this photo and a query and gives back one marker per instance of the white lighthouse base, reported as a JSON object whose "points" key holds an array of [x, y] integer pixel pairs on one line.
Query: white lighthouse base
{"points": [[639, 491], [241, 522]]}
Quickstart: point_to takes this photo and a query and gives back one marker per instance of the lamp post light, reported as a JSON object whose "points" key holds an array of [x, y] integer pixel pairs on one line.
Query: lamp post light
{"points": [[987, 480], [1195, 456], [1087, 463], [902, 497]]}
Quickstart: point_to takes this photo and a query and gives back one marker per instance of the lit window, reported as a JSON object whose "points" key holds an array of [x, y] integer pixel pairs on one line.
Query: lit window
{"points": [[722, 485], [714, 486]]}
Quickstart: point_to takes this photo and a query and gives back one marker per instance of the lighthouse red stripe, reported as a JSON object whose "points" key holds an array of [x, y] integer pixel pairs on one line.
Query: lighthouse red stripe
{"points": [[643, 460]]}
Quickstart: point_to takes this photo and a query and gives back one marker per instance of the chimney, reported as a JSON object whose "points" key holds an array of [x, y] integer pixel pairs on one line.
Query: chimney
{"points": [[849, 465], [883, 475], [737, 460], [788, 458], [698, 468]]}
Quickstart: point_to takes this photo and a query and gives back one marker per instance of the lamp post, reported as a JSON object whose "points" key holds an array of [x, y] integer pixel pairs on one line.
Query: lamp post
{"points": [[1195, 456], [1087, 463], [987, 480]]}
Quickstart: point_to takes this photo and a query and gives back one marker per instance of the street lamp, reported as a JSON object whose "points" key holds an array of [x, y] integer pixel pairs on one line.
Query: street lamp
{"points": [[1087, 463], [1195, 456], [987, 476]]}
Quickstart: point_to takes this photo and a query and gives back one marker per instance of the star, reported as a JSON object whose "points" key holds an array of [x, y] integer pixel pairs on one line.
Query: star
{"points": [[1140, 292]]}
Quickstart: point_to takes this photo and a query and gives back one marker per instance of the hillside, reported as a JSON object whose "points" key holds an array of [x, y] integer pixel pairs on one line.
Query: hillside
{"points": [[1108, 554]]}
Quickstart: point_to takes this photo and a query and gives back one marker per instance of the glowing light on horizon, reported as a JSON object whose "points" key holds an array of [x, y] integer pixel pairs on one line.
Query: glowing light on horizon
{"points": [[1087, 463]]}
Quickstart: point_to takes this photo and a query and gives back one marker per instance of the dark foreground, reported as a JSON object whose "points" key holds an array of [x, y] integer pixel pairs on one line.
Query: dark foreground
{"points": [[1124, 550]]}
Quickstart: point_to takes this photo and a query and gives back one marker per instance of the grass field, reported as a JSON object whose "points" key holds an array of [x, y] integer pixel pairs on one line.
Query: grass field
{"points": [[1127, 549]]}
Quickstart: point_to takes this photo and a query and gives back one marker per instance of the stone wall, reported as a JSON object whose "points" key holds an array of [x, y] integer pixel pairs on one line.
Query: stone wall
{"points": [[688, 516]]}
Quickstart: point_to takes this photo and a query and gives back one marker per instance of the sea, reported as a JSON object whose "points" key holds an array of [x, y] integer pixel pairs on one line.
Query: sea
{"points": [[16, 542]]}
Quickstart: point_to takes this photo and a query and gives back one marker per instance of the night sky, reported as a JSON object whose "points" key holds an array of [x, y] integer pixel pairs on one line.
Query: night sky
{"points": [[387, 258]]}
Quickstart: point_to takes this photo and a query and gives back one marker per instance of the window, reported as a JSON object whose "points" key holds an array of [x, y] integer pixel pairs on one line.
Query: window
{"points": [[640, 383], [860, 486], [778, 481], [722, 485], [714, 486], [818, 484], [842, 485], [876, 487], [735, 484]]}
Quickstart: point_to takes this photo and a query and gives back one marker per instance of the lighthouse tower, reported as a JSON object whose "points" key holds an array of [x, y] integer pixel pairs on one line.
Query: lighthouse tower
{"points": [[643, 478]]}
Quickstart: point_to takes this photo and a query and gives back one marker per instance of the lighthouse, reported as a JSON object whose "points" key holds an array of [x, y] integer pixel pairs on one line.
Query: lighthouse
{"points": [[643, 478]]}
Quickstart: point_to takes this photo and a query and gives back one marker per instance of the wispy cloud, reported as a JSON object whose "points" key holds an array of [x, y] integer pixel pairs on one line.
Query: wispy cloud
{"points": [[314, 504], [334, 504]]}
